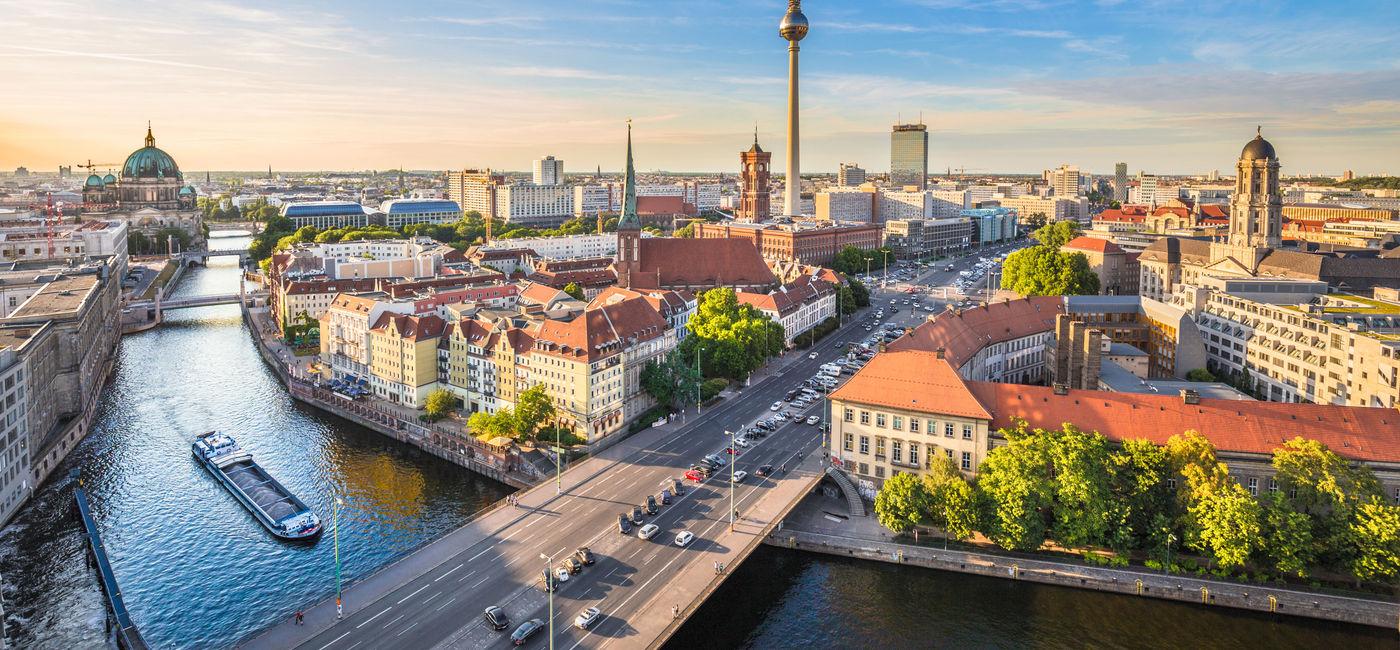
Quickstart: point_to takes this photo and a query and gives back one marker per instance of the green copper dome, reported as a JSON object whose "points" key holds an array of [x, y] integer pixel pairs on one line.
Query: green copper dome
{"points": [[150, 162], [109, 179], [186, 190], [93, 181]]}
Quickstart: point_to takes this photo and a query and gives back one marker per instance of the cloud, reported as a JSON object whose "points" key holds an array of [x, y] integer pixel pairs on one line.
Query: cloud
{"points": [[478, 21], [43, 51], [1100, 49], [556, 73]]}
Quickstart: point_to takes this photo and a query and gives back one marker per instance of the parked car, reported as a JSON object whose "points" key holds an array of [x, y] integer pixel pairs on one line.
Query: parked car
{"points": [[584, 555], [647, 531], [623, 525], [573, 565], [739, 440], [587, 618], [718, 461], [496, 618], [812, 419], [740, 475], [652, 508], [692, 475], [547, 580], [684, 537], [562, 573], [665, 497], [775, 406], [637, 516], [814, 354], [703, 470], [790, 395], [526, 630]]}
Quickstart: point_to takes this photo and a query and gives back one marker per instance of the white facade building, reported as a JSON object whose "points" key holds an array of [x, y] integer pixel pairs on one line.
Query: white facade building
{"points": [[539, 205], [16, 481], [563, 248], [548, 171]]}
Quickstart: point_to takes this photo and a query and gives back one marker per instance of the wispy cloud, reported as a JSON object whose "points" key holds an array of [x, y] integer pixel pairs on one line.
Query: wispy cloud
{"points": [[556, 73], [44, 51]]}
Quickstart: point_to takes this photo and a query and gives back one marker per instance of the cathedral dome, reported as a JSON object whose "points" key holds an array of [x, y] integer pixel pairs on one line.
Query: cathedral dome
{"points": [[1258, 149], [186, 190], [150, 162], [93, 181], [109, 179]]}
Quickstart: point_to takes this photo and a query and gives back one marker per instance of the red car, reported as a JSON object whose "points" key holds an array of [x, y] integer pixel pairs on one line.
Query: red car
{"points": [[694, 476], [732, 450]]}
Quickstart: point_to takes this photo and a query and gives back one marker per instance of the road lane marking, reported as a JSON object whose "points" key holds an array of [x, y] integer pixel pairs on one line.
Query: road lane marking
{"points": [[449, 572], [473, 558], [391, 623], [435, 595], [406, 629], [386, 609], [449, 602], [479, 582], [347, 633], [415, 593]]}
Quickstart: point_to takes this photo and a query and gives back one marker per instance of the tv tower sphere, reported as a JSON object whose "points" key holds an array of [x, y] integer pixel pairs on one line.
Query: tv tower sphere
{"points": [[794, 25]]}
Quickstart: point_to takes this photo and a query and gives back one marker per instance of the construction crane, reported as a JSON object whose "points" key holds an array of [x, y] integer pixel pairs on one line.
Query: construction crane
{"points": [[962, 171], [92, 166]]}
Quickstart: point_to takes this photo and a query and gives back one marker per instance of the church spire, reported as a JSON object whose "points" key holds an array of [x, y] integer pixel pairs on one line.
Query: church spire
{"points": [[629, 218], [150, 139]]}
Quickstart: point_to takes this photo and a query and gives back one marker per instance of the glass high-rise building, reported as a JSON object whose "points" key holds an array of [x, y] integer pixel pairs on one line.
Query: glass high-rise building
{"points": [[909, 156]]}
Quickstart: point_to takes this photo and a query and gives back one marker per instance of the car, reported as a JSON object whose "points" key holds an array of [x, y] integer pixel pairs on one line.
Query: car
{"points": [[587, 618], [718, 461], [838, 345], [812, 355], [665, 497], [637, 516], [812, 419], [548, 581], [676, 487], [647, 531], [707, 464], [775, 406], [683, 538], [740, 475], [894, 310], [623, 525], [562, 573], [573, 565], [651, 505], [526, 630], [695, 476], [790, 395], [732, 450], [764, 470], [584, 555], [496, 618], [738, 440]]}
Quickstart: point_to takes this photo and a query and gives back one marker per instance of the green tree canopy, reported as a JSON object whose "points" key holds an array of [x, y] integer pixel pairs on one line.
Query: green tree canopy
{"points": [[1057, 234], [859, 292], [440, 403], [533, 408], [845, 300], [671, 381], [1046, 271], [687, 232], [732, 339], [903, 503], [574, 291]]}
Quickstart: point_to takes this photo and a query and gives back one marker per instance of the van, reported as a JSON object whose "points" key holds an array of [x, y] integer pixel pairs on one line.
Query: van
{"points": [[647, 531]]}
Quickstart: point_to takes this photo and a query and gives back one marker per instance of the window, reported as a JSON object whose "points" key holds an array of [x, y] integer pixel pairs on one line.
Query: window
{"points": [[967, 460], [879, 419], [897, 422], [913, 425], [1273, 486], [896, 452], [879, 471], [948, 429], [1253, 487], [864, 469], [849, 439], [879, 446], [967, 432], [1397, 496], [950, 452], [914, 460], [850, 415], [865, 417], [865, 444]]}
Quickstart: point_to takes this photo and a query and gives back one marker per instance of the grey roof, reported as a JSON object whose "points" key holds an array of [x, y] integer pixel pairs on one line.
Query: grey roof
{"points": [[1103, 304]]}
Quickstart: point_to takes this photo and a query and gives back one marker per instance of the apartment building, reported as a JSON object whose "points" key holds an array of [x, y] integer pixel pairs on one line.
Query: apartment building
{"points": [[16, 480], [846, 204], [534, 205], [998, 342], [474, 190], [922, 204], [1054, 208], [403, 357], [798, 306], [803, 242], [567, 247], [1116, 268]]}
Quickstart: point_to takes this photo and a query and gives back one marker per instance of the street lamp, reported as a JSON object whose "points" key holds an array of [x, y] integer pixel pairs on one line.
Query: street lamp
{"points": [[558, 463], [733, 460], [1166, 568], [549, 578], [335, 533], [699, 379]]}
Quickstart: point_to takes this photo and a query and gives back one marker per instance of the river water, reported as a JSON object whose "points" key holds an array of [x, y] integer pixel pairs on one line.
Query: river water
{"points": [[198, 572]]}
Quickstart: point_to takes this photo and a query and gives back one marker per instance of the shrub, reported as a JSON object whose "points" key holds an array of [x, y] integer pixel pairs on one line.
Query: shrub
{"points": [[1153, 565], [712, 387]]}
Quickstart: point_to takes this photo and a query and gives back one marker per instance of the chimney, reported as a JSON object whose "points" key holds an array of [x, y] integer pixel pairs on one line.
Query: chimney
{"points": [[1061, 388], [1191, 396], [941, 353], [883, 345]]}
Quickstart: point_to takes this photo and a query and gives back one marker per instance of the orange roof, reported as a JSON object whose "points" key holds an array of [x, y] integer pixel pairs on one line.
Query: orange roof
{"points": [[413, 328], [1361, 433], [667, 262], [1126, 215], [1092, 244], [912, 380], [602, 331], [962, 333]]}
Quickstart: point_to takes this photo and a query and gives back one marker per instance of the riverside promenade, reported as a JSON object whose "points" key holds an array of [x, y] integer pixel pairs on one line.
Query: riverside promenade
{"points": [[819, 524]]}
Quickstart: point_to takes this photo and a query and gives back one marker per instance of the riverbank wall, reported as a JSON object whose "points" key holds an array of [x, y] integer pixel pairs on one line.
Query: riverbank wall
{"points": [[1207, 593], [507, 468]]}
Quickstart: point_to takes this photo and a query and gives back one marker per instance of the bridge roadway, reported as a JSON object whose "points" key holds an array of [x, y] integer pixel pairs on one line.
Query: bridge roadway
{"points": [[435, 597]]}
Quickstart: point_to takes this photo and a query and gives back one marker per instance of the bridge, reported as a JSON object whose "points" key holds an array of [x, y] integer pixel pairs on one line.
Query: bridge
{"points": [[168, 304], [193, 256], [435, 597]]}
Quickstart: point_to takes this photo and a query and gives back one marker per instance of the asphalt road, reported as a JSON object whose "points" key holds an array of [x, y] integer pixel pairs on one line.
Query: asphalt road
{"points": [[443, 607]]}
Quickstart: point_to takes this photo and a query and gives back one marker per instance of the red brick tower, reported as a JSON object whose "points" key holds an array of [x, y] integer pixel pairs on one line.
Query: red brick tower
{"points": [[753, 166]]}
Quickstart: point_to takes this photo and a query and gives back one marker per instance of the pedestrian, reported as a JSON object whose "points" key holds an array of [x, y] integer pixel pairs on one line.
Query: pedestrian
{"points": [[676, 611], [298, 617], [716, 567]]}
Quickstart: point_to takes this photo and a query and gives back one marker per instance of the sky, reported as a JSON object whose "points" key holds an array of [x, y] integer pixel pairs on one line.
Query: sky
{"points": [[1012, 86]]}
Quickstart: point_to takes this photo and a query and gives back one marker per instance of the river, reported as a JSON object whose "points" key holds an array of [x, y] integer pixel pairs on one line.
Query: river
{"points": [[198, 572]]}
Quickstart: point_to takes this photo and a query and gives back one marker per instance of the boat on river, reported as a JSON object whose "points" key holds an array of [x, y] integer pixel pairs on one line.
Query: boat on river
{"points": [[277, 509]]}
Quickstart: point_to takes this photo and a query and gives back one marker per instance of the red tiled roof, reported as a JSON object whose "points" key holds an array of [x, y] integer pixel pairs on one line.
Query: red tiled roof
{"points": [[963, 334], [1121, 216], [1361, 433], [600, 332], [1093, 244], [413, 328], [912, 380], [667, 262]]}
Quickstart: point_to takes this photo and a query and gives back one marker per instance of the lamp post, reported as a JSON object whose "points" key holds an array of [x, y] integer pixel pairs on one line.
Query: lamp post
{"points": [[1166, 568], [335, 534], [558, 463], [733, 460], [549, 573], [699, 379]]}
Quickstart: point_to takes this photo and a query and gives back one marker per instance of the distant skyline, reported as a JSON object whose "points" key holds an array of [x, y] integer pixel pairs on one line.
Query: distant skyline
{"points": [[1011, 86]]}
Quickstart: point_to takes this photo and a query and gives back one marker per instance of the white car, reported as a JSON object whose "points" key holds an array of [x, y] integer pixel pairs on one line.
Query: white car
{"points": [[812, 419], [775, 406], [683, 538], [742, 442], [587, 618], [812, 355], [561, 573], [645, 533], [740, 475]]}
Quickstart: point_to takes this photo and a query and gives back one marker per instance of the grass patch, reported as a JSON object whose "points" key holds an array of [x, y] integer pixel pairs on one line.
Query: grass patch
{"points": [[165, 273]]}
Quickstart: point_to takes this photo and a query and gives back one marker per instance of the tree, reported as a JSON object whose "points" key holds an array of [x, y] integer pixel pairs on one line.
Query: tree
{"points": [[671, 381], [1287, 537], [1035, 220], [903, 503], [850, 261], [687, 232], [440, 403], [1327, 490], [573, 290], [845, 300], [961, 509], [1201, 375], [1140, 482], [1228, 523], [1374, 534], [1016, 482], [1046, 271], [1085, 509], [859, 292], [1057, 234], [736, 337], [533, 408], [494, 425]]}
